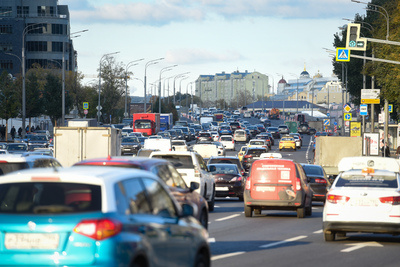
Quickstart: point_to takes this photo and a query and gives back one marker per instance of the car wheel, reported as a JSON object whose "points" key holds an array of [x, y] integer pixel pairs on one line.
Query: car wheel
{"points": [[295, 149], [204, 218], [201, 260], [329, 236], [248, 211], [257, 211], [300, 212], [212, 201]]}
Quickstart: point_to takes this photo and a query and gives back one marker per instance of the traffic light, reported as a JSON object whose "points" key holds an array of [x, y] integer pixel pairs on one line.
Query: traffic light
{"points": [[353, 40]]}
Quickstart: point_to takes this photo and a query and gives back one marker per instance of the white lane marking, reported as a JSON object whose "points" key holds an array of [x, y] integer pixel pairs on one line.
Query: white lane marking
{"points": [[227, 218], [211, 240], [227, 255], [319, 231], [283, 242], [360, 245]]}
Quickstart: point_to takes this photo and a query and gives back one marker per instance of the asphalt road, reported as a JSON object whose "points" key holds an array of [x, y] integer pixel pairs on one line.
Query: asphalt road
{"points": [[279, 238]]}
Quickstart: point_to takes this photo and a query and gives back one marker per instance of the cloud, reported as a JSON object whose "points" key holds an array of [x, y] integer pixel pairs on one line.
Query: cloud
{"points": [[200, 56], [162, 12]]}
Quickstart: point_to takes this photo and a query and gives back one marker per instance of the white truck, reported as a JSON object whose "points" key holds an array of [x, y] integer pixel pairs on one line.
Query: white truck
{"points": [[74, 144], [206, 150], [158, 144]]}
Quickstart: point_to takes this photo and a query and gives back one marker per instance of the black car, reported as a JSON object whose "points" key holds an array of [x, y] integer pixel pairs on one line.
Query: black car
{"points": [[252, 154], [234, 126], [227, 160], [318, 181], [312, 131], [275, 132], [253, 130], [228, 180], [130, 145], [186, 132], [267, 123]]}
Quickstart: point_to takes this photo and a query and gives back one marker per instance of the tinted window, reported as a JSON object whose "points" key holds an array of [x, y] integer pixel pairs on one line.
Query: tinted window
{"points": [[313, 170], [162, 171], [256, 152], [135, 196], [226, 138], [225, 169], [161, 202], [179, 161], [49, 198], [7, 167]]}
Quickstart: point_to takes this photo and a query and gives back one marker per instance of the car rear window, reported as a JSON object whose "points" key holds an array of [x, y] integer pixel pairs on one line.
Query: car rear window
{"points": [[179, 161], [257, 143], [370, 180], [178, 143], [239, 133], [256, 152], [313, 170], [49, 198], [7, 167], [204, 135], [226, 138]]}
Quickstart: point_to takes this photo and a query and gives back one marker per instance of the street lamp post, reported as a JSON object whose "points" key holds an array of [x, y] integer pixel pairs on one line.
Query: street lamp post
{"points": [[151, 62], [159, 85], [126, 83], [187, 93], [99, 106], [176, 77], [180, 94]]}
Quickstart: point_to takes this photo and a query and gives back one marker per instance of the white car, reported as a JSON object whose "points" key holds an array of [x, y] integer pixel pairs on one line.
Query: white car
{"points": [[228, 142], [258, 143], [179, 145], [297, 140], [364, 197], [192, 168], [215, 136]]}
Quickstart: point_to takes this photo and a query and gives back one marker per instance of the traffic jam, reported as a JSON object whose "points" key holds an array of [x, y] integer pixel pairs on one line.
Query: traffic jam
{"points": [[195, 192]]}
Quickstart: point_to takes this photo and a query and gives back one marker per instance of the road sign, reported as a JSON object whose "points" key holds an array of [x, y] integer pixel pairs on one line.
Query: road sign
{"points": [[326, 122], [85, 112], [335, 123], [98, 107], [342, 54], [328, 114], [370, 96], [85, 105], [390, 108], [347, 108], [364, 110], [347, 116]]}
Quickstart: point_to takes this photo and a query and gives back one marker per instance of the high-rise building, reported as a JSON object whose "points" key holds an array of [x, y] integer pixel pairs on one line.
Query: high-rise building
{"points": [[41, 28]]}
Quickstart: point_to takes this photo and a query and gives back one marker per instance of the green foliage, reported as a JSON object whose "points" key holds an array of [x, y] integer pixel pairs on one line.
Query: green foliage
{"points": [[9, 99]]}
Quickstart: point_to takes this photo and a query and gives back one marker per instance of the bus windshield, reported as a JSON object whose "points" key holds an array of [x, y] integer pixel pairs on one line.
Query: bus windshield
{"points": [[143, 124]]}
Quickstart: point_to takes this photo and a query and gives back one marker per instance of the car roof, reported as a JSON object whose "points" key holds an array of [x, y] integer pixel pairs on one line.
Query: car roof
{"points": [[81, 174], [143, 161], [23, 157]]}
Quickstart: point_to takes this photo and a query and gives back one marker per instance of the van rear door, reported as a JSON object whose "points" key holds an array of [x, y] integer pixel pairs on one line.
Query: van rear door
{"points": [[273, 179]]}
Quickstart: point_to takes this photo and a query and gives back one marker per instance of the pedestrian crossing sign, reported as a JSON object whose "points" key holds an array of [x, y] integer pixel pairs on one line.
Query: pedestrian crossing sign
{"points": [[342, 54]]}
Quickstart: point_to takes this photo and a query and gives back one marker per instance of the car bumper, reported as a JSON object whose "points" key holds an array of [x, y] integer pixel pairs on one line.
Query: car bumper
{"points": [[294, 204], [366, 227], [228, 191]]}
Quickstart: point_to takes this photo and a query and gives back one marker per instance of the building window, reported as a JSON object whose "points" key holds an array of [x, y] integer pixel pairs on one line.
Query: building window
{"points": [[5, 11], [36, 46], [6, 64], [6, 29], [37, 28], [59, 29], [57, 46], [22, 11], [6, 47], [44, 11]]}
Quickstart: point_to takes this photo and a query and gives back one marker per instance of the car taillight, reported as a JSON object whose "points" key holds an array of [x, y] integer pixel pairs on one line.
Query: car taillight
{"points": [[335, 199], [98, 229], [234, 179], [248, 184], [320, 181], [298, 184], [390, 200], [248, 156], [196, 172]]}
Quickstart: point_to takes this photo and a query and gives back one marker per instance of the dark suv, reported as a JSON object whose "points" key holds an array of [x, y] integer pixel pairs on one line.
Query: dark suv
{"points": [[234, 126], [227, 160], [303, 128], [204, 137], [252, 154]]}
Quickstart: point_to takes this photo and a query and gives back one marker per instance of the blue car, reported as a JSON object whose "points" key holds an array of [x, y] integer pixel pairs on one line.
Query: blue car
{"points": [[225, 130], [91, 216]]}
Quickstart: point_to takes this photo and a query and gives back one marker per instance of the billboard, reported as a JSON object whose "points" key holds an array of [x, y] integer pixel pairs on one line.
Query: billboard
{"points": [[139, 108]]}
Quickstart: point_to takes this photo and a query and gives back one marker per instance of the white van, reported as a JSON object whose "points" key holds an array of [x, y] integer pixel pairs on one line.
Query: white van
{"points": [[159, 144]]}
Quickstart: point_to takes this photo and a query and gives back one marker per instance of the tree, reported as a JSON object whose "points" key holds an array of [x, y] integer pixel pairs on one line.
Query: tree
{"points": [[112, 98], [52, 98], [9, 104]]}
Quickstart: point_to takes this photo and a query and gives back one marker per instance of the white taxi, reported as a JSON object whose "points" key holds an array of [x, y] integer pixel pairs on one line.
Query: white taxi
{"points": [[365, 197]]}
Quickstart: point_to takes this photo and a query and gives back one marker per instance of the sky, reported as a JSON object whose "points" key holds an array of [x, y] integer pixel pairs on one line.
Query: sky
{"points": [[204, 37]]}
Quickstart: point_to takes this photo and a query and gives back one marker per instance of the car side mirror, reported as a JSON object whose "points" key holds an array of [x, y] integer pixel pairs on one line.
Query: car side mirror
{"points": [[194, 186], [212, 168]]}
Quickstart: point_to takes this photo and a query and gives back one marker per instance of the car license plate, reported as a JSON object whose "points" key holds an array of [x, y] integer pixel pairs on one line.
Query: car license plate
{"points": [[31, 241], [224, 188], [364, 202], [265, 189]]}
